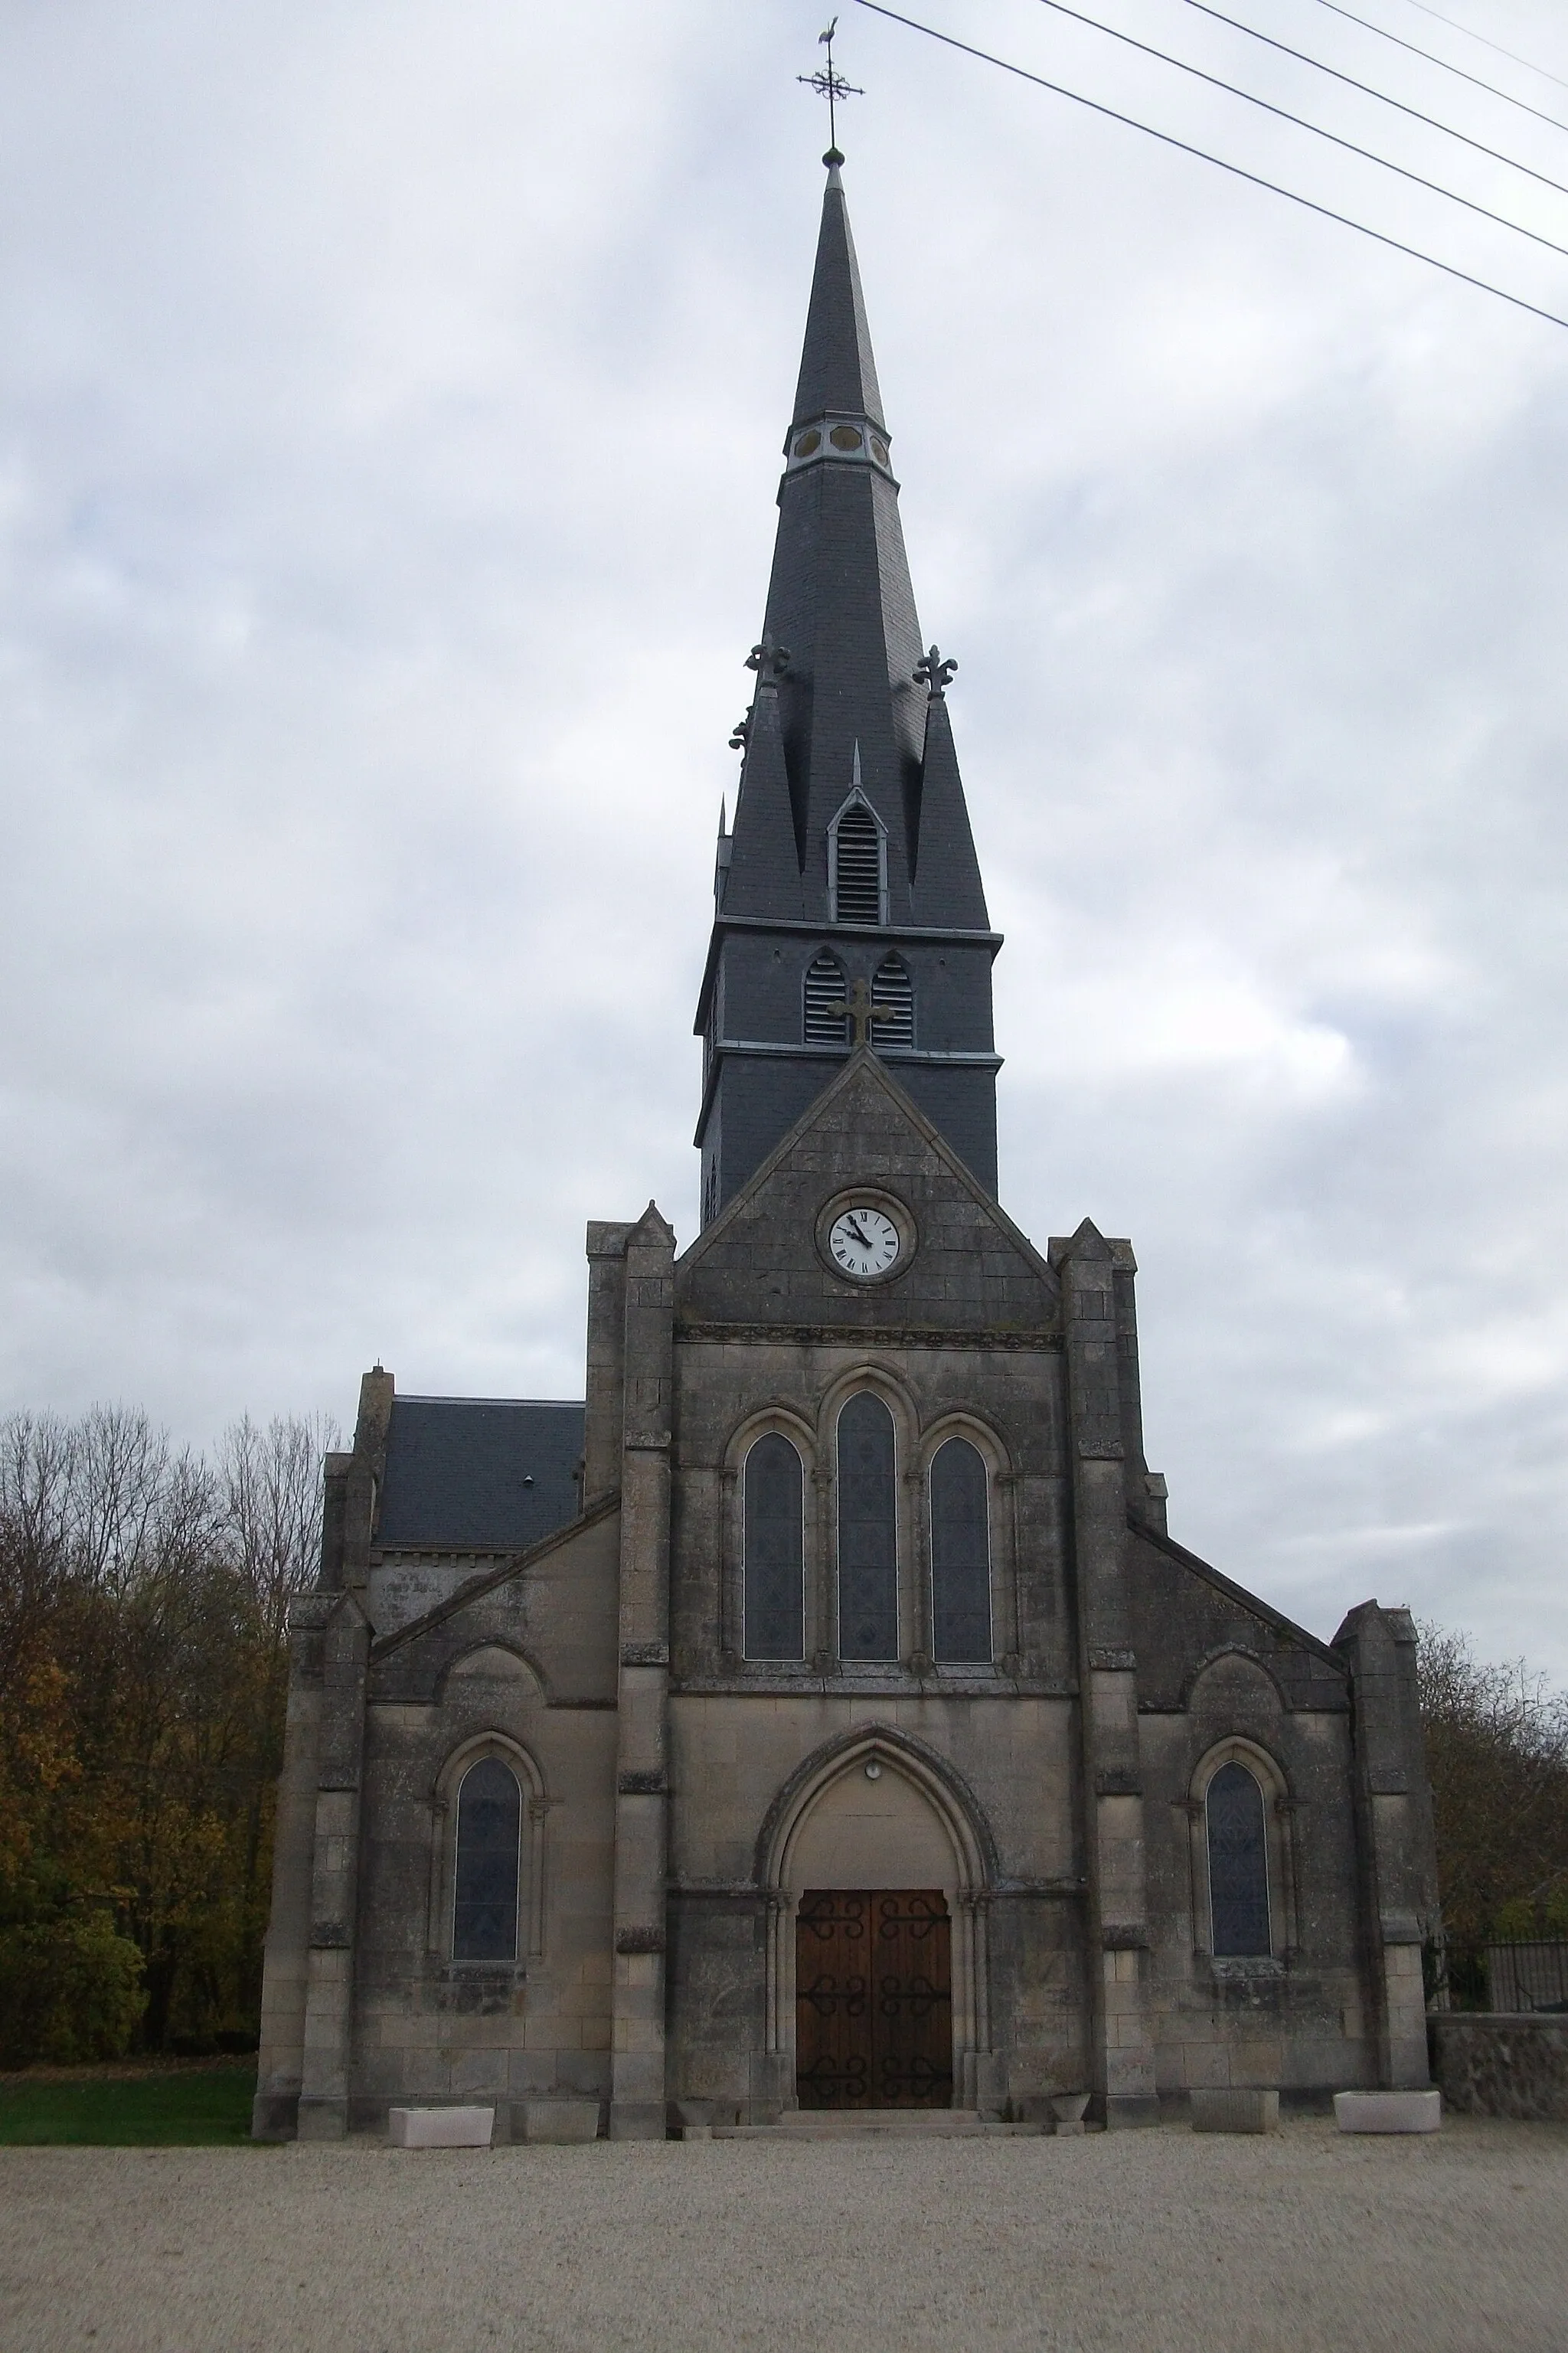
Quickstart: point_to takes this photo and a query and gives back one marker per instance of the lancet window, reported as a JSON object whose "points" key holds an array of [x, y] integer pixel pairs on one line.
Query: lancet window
{"points": [[775, 1551], [1238, 1864], [892, 989], [960, 1556], [857, 866], [825, 986], [867, 1531], [489, 1833]]}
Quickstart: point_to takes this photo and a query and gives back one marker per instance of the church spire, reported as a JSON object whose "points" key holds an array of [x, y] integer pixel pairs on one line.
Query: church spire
{"points": [[850, 822]]}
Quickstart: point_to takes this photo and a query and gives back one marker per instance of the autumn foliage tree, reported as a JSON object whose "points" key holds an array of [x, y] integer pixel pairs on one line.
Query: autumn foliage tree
{"points": [[143, 1602], [1496, 1755]]}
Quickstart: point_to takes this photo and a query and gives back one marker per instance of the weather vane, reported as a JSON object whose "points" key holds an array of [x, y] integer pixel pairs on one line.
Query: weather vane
{"points": [[830, 84]]}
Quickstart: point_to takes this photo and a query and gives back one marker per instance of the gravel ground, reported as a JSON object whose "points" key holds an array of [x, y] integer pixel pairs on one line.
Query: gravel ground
{"points": [[1159, 2240]]}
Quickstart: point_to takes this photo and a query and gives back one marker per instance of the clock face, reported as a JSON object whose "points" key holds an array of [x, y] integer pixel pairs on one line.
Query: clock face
{"points": [[864, 1242]]}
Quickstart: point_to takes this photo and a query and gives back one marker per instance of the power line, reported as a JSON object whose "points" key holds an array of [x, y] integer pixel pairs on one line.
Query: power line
{"points": [[1249, 98], [1432, 58], [1237, 170], [1413, 112], [1498, 46]]}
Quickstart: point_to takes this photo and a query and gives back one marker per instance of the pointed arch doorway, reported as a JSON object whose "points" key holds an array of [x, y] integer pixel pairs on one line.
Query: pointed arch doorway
{"points": [[878, 1962]]}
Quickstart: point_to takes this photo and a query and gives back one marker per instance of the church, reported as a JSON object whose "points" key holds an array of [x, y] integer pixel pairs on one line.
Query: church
{"points": [[819, 1718]]}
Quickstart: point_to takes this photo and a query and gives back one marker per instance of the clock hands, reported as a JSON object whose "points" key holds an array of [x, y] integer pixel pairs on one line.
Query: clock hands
{"points": [[865, 1241]]}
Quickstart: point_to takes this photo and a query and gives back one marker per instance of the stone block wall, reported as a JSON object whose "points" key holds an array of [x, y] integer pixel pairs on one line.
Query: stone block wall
{"points": [[1502, 2063]]}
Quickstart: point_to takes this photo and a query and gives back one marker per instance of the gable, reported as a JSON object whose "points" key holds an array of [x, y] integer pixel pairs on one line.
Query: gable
{"points": [[550, 1614], [1191, 1624], [763, 1260]]}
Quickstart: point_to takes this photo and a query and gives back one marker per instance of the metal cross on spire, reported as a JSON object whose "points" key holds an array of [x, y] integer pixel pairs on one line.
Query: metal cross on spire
{"points": [[830, 84]]}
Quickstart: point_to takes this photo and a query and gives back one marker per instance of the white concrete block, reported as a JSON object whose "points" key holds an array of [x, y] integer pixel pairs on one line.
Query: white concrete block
{"points": [[440, 2128], [560, 2120], [1230, 2110], [1388, 2112]]}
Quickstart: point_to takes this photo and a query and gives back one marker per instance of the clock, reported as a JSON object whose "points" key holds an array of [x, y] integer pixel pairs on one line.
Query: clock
{"points": [[863, 1242]]}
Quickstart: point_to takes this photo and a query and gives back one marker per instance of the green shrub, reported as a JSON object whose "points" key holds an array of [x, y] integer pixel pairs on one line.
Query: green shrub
{"points": [[70, 1989], [1535, 1915]]}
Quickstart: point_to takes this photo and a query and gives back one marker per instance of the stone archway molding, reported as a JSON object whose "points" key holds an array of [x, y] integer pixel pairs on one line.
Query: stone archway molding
{"points": [[1218, 1657], [977, 1871], [955, 1802]]}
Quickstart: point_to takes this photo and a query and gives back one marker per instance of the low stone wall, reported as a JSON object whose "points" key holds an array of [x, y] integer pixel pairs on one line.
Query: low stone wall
{"points": [[1501, 2062]]}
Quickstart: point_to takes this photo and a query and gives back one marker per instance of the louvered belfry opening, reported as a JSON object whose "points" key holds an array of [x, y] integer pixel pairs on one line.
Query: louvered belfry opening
{"points": [[857, 867], [824, 986], [892, 988]]}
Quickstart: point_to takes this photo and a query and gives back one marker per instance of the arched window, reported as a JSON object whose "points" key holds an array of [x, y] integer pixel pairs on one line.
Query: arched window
{"points": [[854, 857], [960, 1556], [1238, 1864], [824, 986], [892, 989], [774, 1560], [867, 1532], [490, 1828]]}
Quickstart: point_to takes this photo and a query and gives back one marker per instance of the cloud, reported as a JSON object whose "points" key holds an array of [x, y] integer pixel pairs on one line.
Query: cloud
{"points": [[390, 405]]}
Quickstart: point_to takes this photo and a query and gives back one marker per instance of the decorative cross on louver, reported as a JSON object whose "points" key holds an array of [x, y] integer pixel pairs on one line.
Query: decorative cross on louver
{"points": [[862, 1012]]}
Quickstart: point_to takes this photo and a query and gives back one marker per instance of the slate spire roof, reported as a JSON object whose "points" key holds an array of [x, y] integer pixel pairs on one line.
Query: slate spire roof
{"points": [[837, 372], [851, 860], [840, 644]]}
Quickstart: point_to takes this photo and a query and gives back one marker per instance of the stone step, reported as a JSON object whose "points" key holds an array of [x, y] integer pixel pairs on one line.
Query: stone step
{"points": [[872, 2125]]}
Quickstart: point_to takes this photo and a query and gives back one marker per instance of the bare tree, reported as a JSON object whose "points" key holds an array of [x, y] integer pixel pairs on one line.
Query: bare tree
{"points": [[270, 1486]]}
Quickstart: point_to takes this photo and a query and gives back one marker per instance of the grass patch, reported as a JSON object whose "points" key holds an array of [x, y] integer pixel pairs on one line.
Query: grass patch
{"points": [[173, 2109]]}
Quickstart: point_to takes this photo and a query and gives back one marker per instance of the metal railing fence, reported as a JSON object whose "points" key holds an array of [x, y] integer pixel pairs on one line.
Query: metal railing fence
{"points": [[1528, 1973]]}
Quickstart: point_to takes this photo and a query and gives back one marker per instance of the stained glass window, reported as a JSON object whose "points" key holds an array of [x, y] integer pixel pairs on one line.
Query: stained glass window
{"points": [[490, 1825], [774, 1531], [1238, 1864], [960, 1556], [867, 1540]]}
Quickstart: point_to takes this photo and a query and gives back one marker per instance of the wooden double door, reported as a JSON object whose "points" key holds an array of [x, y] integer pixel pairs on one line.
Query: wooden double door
{"points": [[874, 1998]]}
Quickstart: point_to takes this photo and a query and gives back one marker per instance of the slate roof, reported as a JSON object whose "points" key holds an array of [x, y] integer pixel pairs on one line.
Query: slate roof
{"points": [[837, 703], [836, 369], [486, 1473]]}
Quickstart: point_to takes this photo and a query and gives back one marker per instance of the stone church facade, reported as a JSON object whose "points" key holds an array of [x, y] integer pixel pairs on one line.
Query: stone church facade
{"points": [[820, 1715]]}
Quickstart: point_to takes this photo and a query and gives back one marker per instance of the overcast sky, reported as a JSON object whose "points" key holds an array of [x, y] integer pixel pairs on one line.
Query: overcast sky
{"points": [[391, 400]]}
